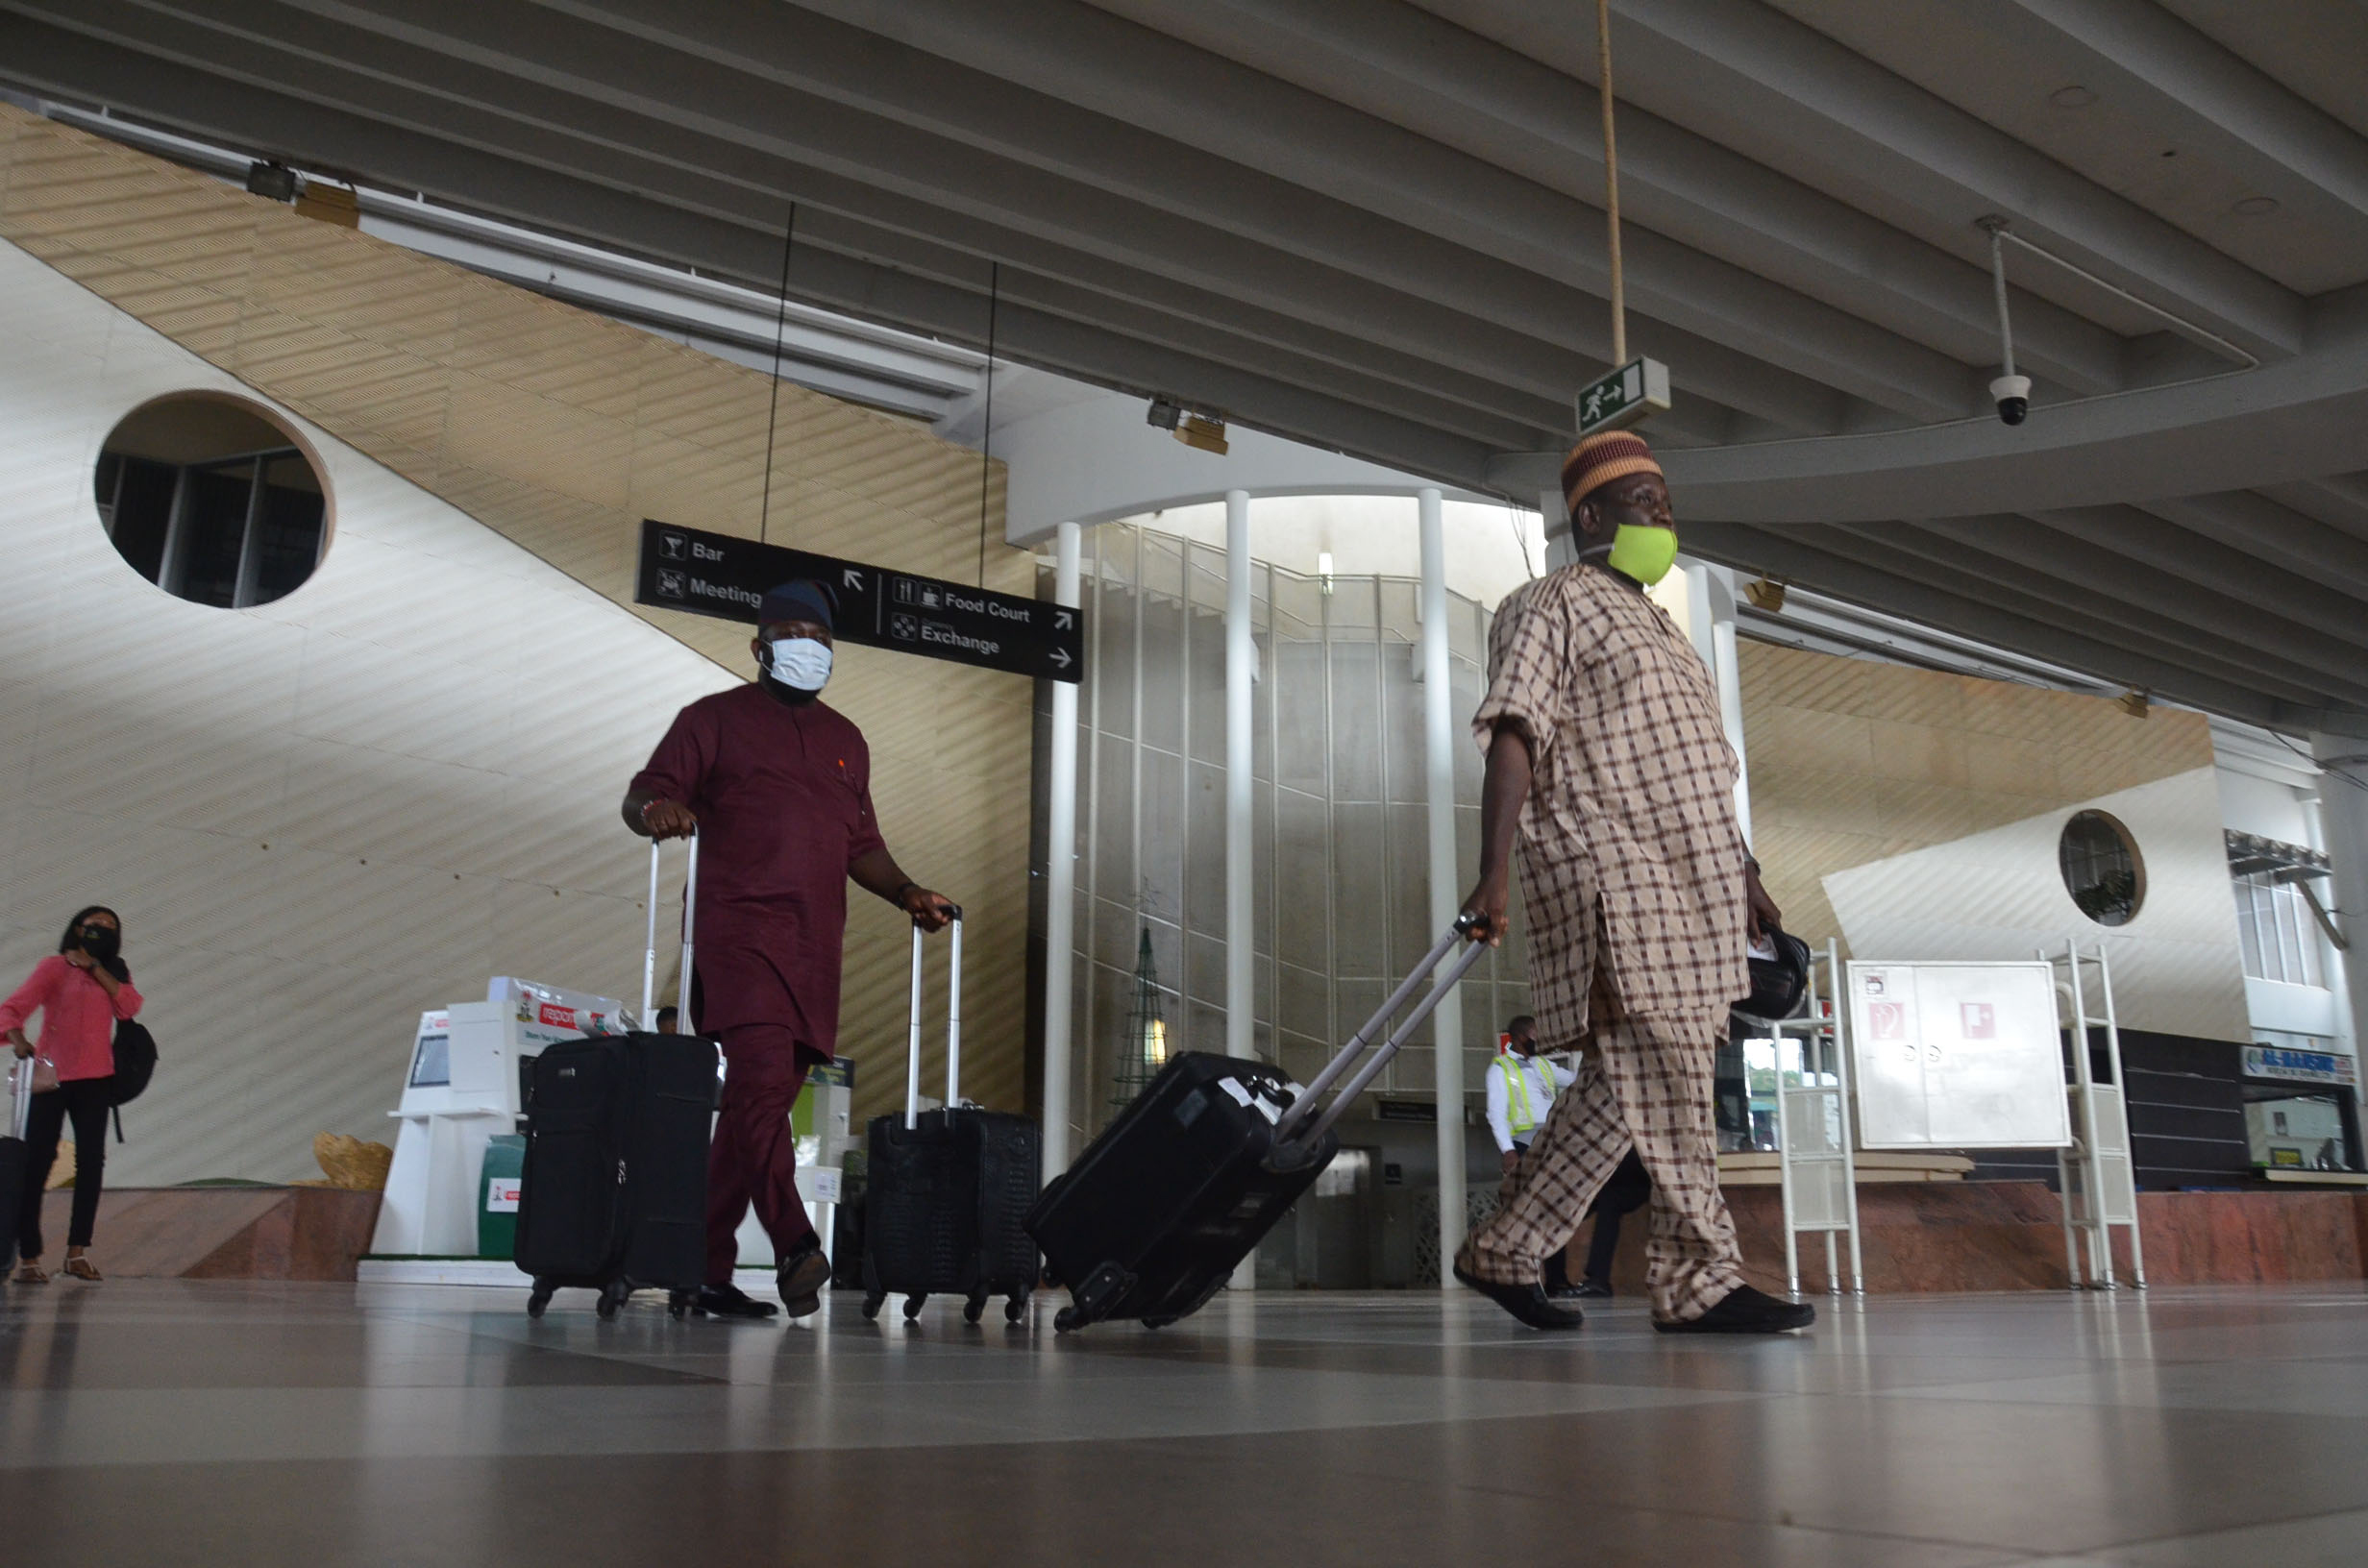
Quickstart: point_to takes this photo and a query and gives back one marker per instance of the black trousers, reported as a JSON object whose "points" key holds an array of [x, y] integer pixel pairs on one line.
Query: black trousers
{"points": [[87, 1101], [1623, 1195]]}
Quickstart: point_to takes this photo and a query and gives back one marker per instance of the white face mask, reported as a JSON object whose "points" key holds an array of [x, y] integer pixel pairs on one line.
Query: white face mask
{"points": [[802, 664]]}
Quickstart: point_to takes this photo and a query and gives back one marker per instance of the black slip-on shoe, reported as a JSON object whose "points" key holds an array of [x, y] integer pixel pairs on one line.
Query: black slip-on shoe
{"points": [[802, 1278], [1526, 1301], [1746, 1311], [729, 1301], [1591, 1290]]}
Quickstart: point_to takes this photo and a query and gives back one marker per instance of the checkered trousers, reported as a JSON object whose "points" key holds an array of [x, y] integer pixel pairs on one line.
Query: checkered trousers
{"points": [[1647, 1083]]}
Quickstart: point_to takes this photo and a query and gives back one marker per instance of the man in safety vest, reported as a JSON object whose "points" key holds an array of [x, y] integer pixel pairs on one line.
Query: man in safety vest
{"points": [[1521, 1090]]}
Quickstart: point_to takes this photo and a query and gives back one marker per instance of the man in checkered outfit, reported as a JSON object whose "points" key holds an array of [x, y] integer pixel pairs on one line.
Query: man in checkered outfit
{"points": [[1605, 749]]}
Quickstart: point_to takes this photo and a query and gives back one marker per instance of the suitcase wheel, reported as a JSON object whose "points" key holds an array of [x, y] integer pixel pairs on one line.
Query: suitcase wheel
{"points": [[1014, 1310], [912, 1306], [612, 1297], [537, 1299], [1065, 1320], [678, 1303], [974, 1309], [1157, 1322], [871, 1305]]}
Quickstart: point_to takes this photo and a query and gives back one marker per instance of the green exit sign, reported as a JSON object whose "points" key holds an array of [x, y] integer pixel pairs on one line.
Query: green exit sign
{"points": [[1637, 389]]}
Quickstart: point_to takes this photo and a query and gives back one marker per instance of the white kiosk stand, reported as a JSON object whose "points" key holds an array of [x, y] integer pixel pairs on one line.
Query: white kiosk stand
{"points": [[1814, 1159], [2098, 1171], [462, 1089]]}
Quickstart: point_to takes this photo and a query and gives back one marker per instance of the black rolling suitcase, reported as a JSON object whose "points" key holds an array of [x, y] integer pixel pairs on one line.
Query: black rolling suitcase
{"points": [[1160, 1209], [614, 1194], [12, 1152], [947, 1192]]}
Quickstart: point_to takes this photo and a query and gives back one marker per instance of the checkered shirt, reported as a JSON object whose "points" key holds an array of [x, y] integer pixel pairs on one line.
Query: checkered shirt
{"points": [[1631, 804]]}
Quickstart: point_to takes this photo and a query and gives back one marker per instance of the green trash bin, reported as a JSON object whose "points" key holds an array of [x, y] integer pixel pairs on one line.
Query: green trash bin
{"points": [[497, 1203]]}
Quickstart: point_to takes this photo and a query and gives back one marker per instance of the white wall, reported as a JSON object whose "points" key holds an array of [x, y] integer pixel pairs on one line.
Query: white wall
{"points": [[318, 817], [2177, 966]]}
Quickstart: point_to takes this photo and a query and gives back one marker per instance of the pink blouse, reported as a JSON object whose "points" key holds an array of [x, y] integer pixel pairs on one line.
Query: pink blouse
{"points": [[78, 1020]]}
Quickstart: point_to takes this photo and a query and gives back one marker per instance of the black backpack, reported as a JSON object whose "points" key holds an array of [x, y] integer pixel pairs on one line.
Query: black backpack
{"points": [[136, 1062]]}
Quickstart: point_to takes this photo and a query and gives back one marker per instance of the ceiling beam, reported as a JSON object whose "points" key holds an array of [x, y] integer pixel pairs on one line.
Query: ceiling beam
{"points": [[2294, 542], [1444, 82], [2210, 100], [1980, 565], [1098, 67], [746, 186], [2038, 630], [1745, 74], [72, 66], [590, 76], [2214, 573]]}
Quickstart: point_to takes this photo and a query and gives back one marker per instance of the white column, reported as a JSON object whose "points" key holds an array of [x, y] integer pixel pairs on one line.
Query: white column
{"points": [[1240, 916], [1447, 886], [2343, 816], [1061, 877], [1555, 512], [1240, 662], [1729, 674]]}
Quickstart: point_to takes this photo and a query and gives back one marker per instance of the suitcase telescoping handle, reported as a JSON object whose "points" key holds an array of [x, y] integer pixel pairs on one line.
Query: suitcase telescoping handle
{"points": [[649, 956], [954, 1027], [1301, 1123]]}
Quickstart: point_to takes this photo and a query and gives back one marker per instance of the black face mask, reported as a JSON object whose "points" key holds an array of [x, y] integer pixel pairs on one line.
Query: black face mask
{"points": [[99, 942]]}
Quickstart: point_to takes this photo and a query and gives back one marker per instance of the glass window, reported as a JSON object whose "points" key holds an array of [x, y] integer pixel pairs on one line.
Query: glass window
{"points": [[2292, 1127], [2279, 934], [2101, 869], [208, 499]]}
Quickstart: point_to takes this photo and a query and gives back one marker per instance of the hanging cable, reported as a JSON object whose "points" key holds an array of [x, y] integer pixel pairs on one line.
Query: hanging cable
{"points": [[772, 410], [986, 430], [1610, 183]]}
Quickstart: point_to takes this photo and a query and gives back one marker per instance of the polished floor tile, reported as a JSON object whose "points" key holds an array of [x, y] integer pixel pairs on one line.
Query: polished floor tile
{"points": [[156, 1422]]}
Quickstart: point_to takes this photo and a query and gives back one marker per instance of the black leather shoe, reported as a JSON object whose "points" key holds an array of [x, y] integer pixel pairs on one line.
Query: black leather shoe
{"points": [[801, 1277], [729, 1301], [1591, 1290], [1745, 1311], [1525, 1302]]}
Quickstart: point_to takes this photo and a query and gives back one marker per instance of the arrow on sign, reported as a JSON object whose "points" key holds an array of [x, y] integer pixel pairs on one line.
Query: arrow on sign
{"points": [[850, 578], [1060, 657], [1063, 619]]}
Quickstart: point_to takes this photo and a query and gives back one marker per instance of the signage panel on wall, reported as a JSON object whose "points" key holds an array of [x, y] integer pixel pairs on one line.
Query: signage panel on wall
{"points": [[2299, 1067], [1957, 1055], [718, 574]]}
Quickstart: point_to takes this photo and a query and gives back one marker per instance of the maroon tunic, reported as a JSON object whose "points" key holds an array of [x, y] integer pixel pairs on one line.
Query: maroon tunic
{"points": [[783, 797]]}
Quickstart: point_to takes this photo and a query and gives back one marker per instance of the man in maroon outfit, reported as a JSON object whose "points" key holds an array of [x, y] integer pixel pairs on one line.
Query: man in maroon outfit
{"points": [[778, 786]]}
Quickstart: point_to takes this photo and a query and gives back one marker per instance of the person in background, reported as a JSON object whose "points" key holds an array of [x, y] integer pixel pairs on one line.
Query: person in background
{"points": [[669, 1021], [80, 993], [1522, 1085], [778, 786]]}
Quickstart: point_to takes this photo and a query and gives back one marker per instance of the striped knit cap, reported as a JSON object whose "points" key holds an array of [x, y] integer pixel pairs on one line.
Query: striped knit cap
{"points": [[1601, 458]]}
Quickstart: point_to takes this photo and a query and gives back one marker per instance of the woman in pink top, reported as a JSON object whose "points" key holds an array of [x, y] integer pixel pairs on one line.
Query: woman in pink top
{"points": [[80, 993]]}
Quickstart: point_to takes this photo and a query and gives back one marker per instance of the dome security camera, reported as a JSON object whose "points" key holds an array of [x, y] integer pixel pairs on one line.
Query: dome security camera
{"points": [[2014, 395]]}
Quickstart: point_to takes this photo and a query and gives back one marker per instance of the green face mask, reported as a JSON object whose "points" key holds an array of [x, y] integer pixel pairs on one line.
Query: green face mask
{"points": [[1642, 551]]}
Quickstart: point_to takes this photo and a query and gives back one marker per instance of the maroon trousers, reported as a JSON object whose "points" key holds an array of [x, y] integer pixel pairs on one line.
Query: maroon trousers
{"points": [[754, 1155]]}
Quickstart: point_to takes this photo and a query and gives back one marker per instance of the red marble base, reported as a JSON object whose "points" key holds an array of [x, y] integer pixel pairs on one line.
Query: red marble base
{"points": [[222, 1232], [2008, 1236]]}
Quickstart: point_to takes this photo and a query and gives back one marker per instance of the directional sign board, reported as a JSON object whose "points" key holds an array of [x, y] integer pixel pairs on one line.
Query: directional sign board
{"points": [[717, 575], [1625, 397]]}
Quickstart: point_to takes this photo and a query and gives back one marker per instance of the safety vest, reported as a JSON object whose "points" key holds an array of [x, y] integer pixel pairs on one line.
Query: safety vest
{"points": [[1519, 1116]]}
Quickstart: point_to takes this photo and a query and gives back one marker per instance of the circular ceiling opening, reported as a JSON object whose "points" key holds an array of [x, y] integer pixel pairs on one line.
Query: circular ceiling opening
{"points": [[211, 502], [2102, 869]]}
